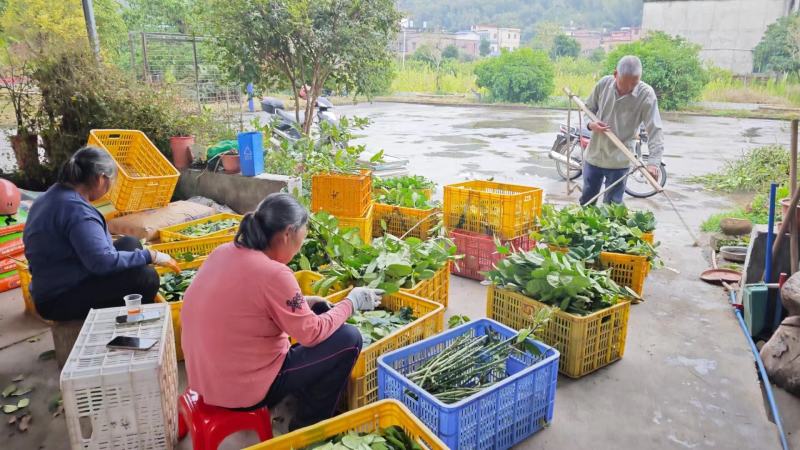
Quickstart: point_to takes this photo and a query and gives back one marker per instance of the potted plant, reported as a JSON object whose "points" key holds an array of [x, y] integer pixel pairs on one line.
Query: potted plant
{"points": [[181, 144], [15, 80], [230, 161]]}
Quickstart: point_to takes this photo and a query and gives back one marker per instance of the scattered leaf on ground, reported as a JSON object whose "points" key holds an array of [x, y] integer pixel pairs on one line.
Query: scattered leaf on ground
{"points": [[23, 403], [49, 354], [33, 339], [22, 391], [59, 410], [12, 420], [8, 409], [54, 403], [9, 389], [25, 422], [18, 378]]}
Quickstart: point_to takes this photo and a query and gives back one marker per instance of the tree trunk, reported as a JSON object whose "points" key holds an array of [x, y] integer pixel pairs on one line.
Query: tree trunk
{"points": [[26, 151]]}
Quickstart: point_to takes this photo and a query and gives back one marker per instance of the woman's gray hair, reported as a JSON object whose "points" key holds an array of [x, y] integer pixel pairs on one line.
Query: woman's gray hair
{"points": [[273, 215], [86, 165], [629, 66]]}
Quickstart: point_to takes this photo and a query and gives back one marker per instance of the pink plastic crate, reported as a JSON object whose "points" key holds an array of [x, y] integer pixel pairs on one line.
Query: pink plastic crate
{"points": [[480, 252]]}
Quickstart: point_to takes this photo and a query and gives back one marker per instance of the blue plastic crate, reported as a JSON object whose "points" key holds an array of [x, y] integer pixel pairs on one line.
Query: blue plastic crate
{"points": [[495, 418]]}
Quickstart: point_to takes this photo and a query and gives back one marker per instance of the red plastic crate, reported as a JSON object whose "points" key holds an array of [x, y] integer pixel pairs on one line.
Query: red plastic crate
{"points": [[480, 252]]}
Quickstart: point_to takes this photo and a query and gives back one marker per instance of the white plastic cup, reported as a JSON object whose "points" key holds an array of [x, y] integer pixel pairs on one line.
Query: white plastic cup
{"points": [[134, 304]]}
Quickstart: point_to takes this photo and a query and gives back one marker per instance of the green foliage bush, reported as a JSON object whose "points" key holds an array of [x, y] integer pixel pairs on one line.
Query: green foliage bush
{"points": [[524, 75], [778, 50], [671, 65], [564, 45], [753, 172]]}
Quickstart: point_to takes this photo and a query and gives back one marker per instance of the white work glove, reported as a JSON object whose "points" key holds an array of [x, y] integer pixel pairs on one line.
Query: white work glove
{"points": [[365, 299], [164, 260]]}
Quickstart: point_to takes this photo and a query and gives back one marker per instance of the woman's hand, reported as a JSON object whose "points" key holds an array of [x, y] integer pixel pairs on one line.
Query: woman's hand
{"points": [[164, 260], [365, 299], [313, 300]]}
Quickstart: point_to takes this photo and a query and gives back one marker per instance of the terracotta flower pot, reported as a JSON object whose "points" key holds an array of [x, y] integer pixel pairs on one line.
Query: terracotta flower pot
{"points": [[785, 211], [181, 151], [231, 163]]}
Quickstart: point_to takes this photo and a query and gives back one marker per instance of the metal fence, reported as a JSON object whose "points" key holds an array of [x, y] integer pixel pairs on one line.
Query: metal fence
{"points": [[186, 63]]}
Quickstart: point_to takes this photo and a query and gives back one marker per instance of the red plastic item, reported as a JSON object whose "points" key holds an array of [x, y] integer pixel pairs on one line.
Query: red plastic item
{"points": [[480, 252], [9, 198], [210, 425]]}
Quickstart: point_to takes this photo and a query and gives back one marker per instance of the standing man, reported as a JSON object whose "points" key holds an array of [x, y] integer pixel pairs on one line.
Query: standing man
{"points": [[621, 102]]}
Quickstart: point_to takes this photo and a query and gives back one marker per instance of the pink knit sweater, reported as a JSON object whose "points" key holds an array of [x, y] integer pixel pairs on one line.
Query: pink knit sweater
{"points": [[237, 316]]}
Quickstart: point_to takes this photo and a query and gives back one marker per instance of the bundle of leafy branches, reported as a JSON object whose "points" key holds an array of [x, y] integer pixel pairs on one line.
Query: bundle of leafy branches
{"points": [[471, 364], [753, 172], [588, 231], [558, 279], [388, 263], [415, 182], [645, 221], [376, 325], [173, 285], [390, 438], [324, 238], [405, 197]]}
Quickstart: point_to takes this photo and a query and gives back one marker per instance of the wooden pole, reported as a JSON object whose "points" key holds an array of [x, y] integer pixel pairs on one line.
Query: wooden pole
{"points": [[637, 165], [792, 219]]}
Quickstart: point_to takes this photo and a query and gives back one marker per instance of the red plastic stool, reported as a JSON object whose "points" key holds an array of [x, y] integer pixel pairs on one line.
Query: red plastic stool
{"points": [[210, 425]]}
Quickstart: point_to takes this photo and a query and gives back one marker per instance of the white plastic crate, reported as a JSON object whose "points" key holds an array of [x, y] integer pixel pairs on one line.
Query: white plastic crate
{"points": [[121, 399]]}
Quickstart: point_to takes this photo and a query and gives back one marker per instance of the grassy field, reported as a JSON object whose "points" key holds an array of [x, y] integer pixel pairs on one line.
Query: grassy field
{"points": [[581, 75]]}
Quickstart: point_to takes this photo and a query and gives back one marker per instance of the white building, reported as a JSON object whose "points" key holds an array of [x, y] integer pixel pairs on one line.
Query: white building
{"points": [[727, 30], [499, 37]]}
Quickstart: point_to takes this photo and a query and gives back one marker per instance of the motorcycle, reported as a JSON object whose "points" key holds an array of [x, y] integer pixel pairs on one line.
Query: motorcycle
{"points": [[286, 125], [569, 160]]}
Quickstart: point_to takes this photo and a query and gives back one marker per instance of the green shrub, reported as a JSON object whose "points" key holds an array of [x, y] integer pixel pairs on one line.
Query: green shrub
{"points": [[753, 172], [524, 75], [671, 65], [778, 50]]}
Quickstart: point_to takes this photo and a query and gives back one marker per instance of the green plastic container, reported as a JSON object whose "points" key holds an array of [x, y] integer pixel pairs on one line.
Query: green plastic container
{"points": [[754, 301]]}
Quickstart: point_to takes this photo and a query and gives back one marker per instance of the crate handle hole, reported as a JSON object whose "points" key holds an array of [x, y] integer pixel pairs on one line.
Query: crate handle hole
{"points": [[605, 319], [114, 136], [86, 427], [411, 394]]}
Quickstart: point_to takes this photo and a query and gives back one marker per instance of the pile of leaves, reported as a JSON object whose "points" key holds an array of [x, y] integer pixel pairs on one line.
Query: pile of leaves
{"points": [[202, 229], [587, 231], [558, 279], [388, 263], [324, 238], [473, 363], [645, 221], [16, 398], [173, 285], [753, 172], [391, 438], [376, 325], [414, 182]]}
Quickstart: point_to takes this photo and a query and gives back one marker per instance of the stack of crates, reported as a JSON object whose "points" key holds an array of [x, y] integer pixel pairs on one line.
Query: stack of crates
{"points": [[121, 399], [348, 197], [12, 250], [477, 213]]}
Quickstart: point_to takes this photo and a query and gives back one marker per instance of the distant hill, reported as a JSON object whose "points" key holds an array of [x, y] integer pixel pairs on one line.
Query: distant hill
{"points": [[454, 15]]}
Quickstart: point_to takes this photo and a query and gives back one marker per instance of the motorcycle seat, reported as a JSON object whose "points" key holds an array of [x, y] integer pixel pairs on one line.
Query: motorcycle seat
{"points": [[289, 116]]}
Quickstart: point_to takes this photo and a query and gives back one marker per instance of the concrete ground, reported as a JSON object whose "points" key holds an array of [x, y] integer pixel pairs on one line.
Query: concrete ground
{"points": [[687, 379]]}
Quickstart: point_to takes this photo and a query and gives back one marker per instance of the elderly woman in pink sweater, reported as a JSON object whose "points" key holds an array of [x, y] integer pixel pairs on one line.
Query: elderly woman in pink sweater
{"points": [[245, 302]]}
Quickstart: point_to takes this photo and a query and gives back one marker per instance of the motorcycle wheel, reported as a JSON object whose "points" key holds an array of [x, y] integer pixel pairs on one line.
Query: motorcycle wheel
{"points": [[637, 185], [561, 147]]}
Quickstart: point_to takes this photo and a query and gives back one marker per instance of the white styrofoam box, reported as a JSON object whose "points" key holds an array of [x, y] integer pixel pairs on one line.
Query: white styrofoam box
{"points": [[121, 399]]}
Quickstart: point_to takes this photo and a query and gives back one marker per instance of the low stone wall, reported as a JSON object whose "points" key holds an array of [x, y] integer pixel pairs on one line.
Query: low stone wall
{"points": [[241, 194]]}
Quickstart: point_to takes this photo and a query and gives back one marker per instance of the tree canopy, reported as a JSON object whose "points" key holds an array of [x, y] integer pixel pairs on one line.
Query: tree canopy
{"points": [[779, 49], [564, 45], [670, 64]]}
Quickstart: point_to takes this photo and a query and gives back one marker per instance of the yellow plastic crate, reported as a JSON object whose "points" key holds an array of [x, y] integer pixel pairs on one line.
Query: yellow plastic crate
{"points": [[486, 207], [400, 220], [24, 284], [363, 386], [586, 343], [200, 248], [175, 307], [370, 418], [342, 194], [145, 178], [173, 233], [626, 270], [436, 289], [364, 224]]}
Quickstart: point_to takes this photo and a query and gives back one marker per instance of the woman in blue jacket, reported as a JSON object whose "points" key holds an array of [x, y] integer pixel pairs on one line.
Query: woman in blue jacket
{"points": [[74, 263]]}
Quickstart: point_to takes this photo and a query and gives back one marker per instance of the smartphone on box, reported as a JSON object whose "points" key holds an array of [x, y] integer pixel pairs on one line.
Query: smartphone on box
{"points": [[145, 316], [131, 343]]}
